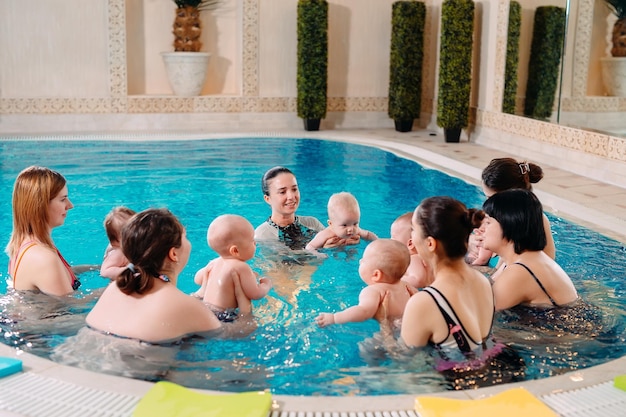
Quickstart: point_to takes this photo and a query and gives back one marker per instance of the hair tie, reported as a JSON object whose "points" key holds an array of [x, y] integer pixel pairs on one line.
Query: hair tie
{"points": [[131, 267], [524, 168]]}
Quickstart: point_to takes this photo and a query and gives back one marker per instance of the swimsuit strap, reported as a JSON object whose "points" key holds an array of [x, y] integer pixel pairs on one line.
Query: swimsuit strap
{"points": [[538, 282], [455, 327], [17, 260], [75, 282]]}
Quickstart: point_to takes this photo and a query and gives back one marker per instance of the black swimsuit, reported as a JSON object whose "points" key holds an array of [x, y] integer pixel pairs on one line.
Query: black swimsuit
{"points": [[295, 236], [538, 283]]}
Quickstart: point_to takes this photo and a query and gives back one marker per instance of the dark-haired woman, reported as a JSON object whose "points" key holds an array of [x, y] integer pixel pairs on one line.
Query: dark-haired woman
{"points": [[507, 174], [441, 228], [281, 192], [514, 229], [144, 303], [454, 315]]}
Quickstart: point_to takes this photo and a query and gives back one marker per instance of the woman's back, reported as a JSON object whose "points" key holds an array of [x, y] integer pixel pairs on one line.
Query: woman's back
{"points": [[160, 315], [461, 297]]}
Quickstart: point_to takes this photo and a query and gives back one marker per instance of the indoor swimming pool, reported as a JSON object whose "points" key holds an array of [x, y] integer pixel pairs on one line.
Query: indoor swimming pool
{"points": [[201, 179]]}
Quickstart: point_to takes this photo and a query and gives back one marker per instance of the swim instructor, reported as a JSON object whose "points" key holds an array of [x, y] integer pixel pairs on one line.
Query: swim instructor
{"points": [[281, 192]]}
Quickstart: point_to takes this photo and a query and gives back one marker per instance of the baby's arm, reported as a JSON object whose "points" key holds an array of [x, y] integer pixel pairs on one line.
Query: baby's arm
{"points": [[367, 235], [113, 264], [320, 239], [252, 289], [369, 300]]}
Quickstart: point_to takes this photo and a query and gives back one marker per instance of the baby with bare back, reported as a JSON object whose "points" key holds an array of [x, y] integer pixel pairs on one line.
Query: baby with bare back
{"points": [[344, 215], [417, 273], [232, 237], [382, 267], [114, 261]]}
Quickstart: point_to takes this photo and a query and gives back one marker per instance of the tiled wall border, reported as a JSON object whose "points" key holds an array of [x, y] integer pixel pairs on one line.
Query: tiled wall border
{"points": [[120, 102]]}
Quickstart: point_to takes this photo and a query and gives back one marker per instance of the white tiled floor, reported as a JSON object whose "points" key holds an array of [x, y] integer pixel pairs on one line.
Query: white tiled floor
{"points": [[585, 201]]}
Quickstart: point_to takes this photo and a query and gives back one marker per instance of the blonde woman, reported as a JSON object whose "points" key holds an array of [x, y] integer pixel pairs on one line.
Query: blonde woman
{"points": [[40, 203]]}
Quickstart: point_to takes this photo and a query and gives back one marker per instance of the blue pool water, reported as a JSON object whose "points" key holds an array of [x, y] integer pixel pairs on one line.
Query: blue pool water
{"points": [[201, 179]]}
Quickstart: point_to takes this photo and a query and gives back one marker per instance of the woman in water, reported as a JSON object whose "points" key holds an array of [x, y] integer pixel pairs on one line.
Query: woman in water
{"points": [[506, 174], [40, 203], [281, 192], [454, 315], [143, 302], [514, 230]]}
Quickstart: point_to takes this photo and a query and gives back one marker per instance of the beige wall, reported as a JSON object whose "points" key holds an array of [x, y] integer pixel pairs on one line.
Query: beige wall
{"points": [[77, 65]]}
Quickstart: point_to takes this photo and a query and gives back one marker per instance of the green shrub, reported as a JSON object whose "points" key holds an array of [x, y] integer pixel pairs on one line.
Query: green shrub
{"points": [[455, 63], [312, 58], [405, 61], [545, 59], [512, 58]]}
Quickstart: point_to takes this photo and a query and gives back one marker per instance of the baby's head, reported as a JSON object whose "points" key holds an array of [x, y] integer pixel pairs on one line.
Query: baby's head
{"points": [[344, 214], [114, 221], [401, 228], [232, 236], [389, 256]]}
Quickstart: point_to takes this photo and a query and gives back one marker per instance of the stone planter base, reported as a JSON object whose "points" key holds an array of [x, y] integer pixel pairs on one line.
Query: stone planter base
{"points": [[614, 75], [186, 71]]}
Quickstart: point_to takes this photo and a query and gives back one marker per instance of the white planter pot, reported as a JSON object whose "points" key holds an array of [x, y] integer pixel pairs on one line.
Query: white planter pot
{"points": [[186, 71], [614, 75]]}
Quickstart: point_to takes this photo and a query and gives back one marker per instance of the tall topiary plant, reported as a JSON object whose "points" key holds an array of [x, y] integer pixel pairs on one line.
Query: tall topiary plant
{"points": [[312, 76], [455, 67], [545, 60], [512, 58], [405, 63]]}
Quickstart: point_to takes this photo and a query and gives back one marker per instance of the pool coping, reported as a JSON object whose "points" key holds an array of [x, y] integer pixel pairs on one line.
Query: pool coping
{"points": [[568, 381]]}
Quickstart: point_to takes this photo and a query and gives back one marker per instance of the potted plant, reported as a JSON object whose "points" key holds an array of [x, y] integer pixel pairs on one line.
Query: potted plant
{"points": [[312, 66], [614, 67], [405, 63], [187, 66], [509, 98], [545, 60], [455, 67]]}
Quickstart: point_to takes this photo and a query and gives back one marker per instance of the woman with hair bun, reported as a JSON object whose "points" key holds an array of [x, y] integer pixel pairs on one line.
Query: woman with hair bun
{"points": [[506, 174], [455, 313], [143, 302], [514, 230]]}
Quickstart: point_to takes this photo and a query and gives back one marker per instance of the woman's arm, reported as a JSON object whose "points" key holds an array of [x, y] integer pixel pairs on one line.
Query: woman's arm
{"points": [[416, 330], [511, 287]]}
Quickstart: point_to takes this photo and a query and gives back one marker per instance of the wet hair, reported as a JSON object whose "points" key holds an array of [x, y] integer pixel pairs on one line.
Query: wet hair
{"points": [[115, 220], [520, 215], [448, 221], [506, 173], [33, 190], [146, 241], [270, 175]]}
